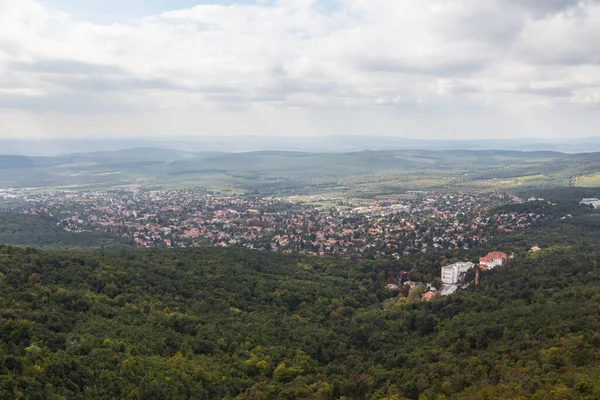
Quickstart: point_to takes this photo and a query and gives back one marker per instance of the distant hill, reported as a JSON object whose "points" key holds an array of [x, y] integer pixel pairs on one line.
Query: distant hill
{"points": [[153, 153], [317, 144], [285, 171], [8, 162]]}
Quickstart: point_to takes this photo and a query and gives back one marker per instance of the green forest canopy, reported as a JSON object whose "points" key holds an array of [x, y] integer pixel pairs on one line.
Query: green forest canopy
{"points": [[226, 323]]}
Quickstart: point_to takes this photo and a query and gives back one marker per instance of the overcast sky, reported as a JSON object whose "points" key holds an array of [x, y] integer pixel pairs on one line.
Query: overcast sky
{"points": [[413, 68]]}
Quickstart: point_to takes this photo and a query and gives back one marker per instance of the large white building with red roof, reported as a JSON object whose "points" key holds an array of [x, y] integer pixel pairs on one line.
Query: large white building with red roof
{"points": [[493, 260]]}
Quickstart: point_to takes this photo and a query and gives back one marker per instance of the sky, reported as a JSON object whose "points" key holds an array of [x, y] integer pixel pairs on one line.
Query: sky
{"points": [[426, 69]]}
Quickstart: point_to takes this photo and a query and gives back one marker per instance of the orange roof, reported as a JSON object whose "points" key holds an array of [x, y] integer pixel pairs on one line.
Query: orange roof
{"points": [[497, 254], [485, 259], [427, 296]]}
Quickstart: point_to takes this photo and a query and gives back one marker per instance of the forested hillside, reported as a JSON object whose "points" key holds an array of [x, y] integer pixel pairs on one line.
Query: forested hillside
{"points": [[35, 230], [223, 323]]}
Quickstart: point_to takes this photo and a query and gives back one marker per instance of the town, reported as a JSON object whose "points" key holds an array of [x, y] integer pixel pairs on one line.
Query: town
{"points": [[420, 222]]}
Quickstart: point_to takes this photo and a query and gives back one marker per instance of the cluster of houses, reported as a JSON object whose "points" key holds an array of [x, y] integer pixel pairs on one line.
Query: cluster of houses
{"points": [[365, 228], [10, 193]]}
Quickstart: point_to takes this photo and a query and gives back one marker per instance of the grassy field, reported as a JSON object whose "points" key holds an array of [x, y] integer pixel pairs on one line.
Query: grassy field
{"points": [[592, 180]]}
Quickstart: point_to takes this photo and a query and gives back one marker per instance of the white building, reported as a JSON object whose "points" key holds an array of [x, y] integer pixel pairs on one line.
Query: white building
{"points": [[591, 202], [452, 274], [493, 260]]}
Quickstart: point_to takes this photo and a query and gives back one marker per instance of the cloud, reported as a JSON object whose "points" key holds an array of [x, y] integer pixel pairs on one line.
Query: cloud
{"points": [[67, 103], [122, 83], [569, 37], [64, 67], [418, 58], [544, 7], [436, 67]]}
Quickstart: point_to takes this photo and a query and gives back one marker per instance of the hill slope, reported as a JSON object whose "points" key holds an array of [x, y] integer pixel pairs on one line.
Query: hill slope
{"points": [[273, 171], [222, 323], [34, 230]]}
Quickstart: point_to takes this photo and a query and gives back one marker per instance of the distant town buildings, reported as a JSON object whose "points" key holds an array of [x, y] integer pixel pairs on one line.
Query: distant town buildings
{"points": [[365, 228]]}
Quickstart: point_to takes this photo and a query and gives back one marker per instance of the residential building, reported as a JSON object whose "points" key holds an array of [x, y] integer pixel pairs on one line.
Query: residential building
{"points": [[428, 296], [452, 274], [493, 260]]}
